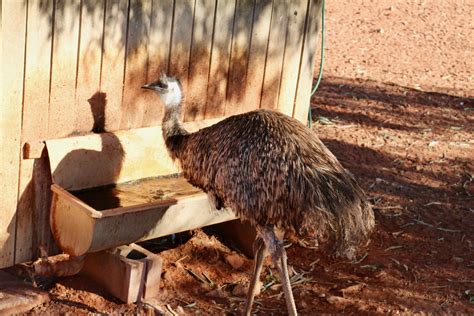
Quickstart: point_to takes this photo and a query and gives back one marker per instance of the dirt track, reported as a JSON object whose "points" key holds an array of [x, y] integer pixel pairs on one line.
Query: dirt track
{"points": [[396, 107]]}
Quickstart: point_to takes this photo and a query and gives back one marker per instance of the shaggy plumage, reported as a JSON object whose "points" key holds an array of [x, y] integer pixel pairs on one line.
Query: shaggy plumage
{"points": [[272, 171]]}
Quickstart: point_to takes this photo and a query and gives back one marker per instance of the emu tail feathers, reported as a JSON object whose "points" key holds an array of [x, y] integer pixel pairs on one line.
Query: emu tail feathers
{"points": [[339, 212], [353, 230], [354, 223]]}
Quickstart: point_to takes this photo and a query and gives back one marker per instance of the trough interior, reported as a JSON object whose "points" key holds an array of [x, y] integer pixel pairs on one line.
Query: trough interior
{"points": [[137, 192]]}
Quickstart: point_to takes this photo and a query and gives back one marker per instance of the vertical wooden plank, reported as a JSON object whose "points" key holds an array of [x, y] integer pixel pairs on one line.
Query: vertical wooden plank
{"points": [[33, 210], [61, 121], [219, 66], [291, 61], [32, 227], [200, 59], [42, 191], [25, 214], [258, 48], [275, 52], [12, 57], [134, 101], [158, 55], [239, 56], [181, 43], [35, 115], [89, 63], [113, 60], [37, 70], [305, 81]]}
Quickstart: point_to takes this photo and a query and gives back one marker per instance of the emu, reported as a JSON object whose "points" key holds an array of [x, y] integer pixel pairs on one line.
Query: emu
{"points": [[274, 172]]}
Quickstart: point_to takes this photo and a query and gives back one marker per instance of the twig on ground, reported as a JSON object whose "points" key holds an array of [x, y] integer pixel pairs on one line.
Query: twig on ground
{"points": [[393, 248], [168, 307], [197, 277], [357, 261], [417, 221], [400, 264]]}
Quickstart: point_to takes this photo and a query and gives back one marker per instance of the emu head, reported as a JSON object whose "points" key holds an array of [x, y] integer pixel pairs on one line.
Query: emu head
{"points": [[168, 89]]}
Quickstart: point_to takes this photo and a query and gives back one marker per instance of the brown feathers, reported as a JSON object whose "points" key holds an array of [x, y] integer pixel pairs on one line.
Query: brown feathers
{"points": [[272, 170]]}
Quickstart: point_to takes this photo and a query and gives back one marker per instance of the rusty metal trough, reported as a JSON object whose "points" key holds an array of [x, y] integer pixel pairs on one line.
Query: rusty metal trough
{"points": [[118, 162]]}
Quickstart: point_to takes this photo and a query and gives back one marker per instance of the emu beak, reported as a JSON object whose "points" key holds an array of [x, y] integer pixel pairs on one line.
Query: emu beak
{"points": [[156, 86], [149, 86]]}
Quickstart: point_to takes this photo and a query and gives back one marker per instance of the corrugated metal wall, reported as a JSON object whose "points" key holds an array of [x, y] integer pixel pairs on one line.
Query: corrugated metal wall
{"points": [[62, 58]]}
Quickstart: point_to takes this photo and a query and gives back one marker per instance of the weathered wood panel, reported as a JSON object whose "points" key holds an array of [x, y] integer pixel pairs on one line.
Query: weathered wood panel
{"points": [[134, 102], [33, 210], [37, 85], [113, 62], [305, 81], [33, 206], [64, 68], [89, 67], [37, 71], [181, 38], [85, 61], [239, 56], [199, 62], [12, 54], [274, 55], [257, 52], [220, 55], [291, 60], [25, 213], [158, 55]]}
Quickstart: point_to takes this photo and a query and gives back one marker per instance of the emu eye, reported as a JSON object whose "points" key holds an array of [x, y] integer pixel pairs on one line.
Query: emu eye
{"points": [[162, 85]]}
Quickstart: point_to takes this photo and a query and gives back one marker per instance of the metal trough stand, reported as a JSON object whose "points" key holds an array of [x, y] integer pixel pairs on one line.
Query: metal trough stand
{"points": [[91, 161]]}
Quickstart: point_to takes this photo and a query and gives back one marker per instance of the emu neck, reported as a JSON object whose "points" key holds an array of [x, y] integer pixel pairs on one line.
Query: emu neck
{"points": [[172, 125], [173, 130]]}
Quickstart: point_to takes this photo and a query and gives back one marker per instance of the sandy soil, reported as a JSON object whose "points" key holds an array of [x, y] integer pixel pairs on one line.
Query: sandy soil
{"points": [[396, 107], [423, 44]]}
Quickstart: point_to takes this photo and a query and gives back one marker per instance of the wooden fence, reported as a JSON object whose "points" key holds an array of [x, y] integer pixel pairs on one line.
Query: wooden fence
{"points": [[63, 59]]}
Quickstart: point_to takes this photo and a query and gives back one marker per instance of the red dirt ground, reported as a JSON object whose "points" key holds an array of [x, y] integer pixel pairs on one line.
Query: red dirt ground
{"points": [[396, 107]]}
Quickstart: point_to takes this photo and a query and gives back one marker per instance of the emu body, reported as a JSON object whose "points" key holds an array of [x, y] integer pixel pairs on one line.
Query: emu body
{"points": [[272, 171]]}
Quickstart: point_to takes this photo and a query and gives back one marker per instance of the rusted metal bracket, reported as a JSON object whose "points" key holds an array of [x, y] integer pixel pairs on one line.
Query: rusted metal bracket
{"points": [[33, 150]]}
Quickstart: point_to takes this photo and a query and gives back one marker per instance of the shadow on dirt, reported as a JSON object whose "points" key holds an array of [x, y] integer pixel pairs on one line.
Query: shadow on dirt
{"points": [[408, 149], [390, 104]]}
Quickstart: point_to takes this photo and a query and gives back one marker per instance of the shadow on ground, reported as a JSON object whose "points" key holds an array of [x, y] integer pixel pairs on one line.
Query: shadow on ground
{"points": [[412, 151]]}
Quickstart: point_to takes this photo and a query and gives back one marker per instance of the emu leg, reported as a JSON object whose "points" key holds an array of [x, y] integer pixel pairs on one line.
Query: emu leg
{"points": [[285, 280], [259, 250], [279, 258]]}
